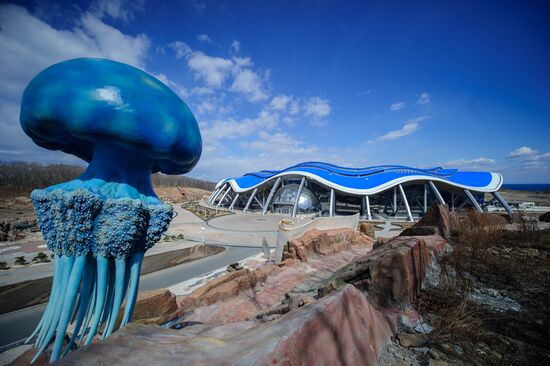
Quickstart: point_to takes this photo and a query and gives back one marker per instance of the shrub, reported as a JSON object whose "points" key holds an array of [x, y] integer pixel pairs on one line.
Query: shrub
{"points": [[21, 261], [4, 265], [41, 257]]}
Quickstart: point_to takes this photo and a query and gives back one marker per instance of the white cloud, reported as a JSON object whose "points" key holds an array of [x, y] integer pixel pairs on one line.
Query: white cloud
{"points": [[182, 49], [289, 121], [212, 70], [204, 38], [468, 163], [250, 84], [206, 107], [397, 106], [294, 107], [236, 45], [317, 107], [522, 152], [117, 9], [281, 143], [231, 128], [280, 102], [424, 98], [409, 127]]}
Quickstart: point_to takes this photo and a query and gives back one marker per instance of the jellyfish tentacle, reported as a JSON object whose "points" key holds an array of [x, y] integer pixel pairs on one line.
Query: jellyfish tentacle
{"points": [[110, 297], [119, 290], [73, 286], [85, 296], [90, 311], [135, 268], [49, 306], [67, 264], [101, 290]]}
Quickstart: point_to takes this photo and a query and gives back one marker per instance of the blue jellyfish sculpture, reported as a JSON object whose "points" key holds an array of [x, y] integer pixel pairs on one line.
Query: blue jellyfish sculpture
{"points": [[127, 125]]}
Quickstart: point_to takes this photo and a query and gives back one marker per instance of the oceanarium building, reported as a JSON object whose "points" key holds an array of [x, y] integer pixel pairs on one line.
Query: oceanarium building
{"points": [[374, 192]]}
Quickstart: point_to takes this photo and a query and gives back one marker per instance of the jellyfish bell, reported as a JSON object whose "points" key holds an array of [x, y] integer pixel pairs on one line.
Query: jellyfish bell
{"points": [[127, 125]]}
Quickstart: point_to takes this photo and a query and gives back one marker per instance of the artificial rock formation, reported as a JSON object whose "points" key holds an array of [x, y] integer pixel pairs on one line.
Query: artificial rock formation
{"points": [[340, 329], [224, 287], [323, 242], [339, 308], [437, 221]]}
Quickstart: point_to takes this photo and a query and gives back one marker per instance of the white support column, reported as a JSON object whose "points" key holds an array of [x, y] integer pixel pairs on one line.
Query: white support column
{"points": [[503, 202], [332, 202], [271, 193], [259, 203], [367, 201], [297, 200], [409, 214], [234, 200], [394, 201], [473, 200], [436, 192], [211, 195], [453, 196], [425, 208], [250, 200], [224, 195], [218, 194]]}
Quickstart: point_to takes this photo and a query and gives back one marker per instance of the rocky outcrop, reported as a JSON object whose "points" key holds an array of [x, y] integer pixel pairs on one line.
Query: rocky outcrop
{"points": [[340, 329], [391, 275], [154, 307], [224, 287], [437, 221], [323, 242]]}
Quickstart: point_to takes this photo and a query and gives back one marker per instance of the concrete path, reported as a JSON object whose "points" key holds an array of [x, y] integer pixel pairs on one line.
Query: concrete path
{"points": [[388, 229], [246, 229]]}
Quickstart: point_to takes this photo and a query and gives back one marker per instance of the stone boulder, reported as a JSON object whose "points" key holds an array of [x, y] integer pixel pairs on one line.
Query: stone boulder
{"points": [[324, 243], [154, 307], [437, 220], [392, 273], [340, 329]]}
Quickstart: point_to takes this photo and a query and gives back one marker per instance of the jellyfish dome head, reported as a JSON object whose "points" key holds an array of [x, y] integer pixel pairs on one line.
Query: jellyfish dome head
{"points": [[126, 124]]}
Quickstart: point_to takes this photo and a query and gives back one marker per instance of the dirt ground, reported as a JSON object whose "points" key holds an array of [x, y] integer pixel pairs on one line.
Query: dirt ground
{"points": [[492, 303], [540, 198], [18, 221], [29, 293]]}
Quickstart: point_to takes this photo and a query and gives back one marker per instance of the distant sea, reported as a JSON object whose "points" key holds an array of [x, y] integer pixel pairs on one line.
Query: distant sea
{"points": [[528, 187]]}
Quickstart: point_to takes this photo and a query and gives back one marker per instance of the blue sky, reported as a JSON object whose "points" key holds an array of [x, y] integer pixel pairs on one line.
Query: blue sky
{"points": [[457, 84]]}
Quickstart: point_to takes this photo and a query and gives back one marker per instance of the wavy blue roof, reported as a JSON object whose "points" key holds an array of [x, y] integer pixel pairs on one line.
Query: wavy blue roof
{"points": [[370, 180]]}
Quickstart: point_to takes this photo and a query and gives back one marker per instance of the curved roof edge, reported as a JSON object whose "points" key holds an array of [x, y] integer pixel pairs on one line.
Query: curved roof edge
{"points": [[370, 180]]}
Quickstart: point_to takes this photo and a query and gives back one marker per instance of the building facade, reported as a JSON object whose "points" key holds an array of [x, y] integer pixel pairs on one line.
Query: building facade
{"points": [[375, 192]]}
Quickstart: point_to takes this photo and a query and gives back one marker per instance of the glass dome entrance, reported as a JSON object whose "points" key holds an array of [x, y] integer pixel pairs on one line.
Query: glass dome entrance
{"points": [[286, 196]]}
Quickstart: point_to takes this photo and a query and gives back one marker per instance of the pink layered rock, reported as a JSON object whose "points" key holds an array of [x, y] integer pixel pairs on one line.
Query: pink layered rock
{"points": [[393, 272], [340, 329], [437, 220], [225, 287], [153, 307], [324, 242]]}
